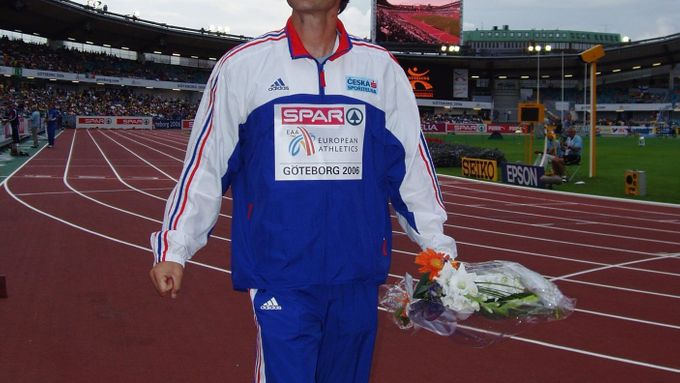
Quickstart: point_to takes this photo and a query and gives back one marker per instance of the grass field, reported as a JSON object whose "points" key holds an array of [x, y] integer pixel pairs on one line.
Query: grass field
{"points": [[449, 25], [658, 158]]}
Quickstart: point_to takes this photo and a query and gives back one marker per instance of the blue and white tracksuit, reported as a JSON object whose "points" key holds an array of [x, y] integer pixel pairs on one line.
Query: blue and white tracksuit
{"points": [[313, 153]]}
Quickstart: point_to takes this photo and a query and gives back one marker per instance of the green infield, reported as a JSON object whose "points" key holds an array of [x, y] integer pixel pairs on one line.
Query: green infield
{"points": [[449, 25], [658, 158]]}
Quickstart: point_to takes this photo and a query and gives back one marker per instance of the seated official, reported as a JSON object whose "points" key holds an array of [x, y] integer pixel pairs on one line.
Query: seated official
{"points": [[571, 153]]}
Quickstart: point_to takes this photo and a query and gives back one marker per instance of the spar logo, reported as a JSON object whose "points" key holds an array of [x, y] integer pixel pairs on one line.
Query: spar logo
{"points": [[94, 120], [130, 121], [302, 141], [355, 116], [313, 115]]}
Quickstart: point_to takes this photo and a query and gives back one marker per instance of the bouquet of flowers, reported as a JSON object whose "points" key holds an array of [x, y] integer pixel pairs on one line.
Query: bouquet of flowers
{"points": [[495, 299]]}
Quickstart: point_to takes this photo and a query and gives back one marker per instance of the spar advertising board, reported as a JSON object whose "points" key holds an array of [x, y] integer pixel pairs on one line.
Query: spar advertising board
{"points": [[419, 21], [187, 125], [114, 122]]}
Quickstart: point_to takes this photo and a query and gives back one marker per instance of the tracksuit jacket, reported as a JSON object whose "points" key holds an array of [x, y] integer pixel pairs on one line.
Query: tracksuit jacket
{"points": [[314, 152]]}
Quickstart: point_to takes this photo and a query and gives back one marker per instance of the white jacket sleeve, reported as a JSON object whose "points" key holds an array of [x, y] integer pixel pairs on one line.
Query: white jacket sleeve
{"points": [[193, 206], [417, 198]]}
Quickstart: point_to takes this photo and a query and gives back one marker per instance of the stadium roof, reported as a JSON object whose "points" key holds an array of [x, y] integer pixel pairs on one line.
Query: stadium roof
{"points": [[647, 55], [67, 20]]}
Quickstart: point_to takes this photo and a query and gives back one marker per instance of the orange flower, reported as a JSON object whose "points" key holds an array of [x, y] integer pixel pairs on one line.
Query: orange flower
{"points": [[431, 262]]}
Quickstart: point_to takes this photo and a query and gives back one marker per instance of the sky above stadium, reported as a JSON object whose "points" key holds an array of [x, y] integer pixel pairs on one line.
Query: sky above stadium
{"points": [[633, 18]]}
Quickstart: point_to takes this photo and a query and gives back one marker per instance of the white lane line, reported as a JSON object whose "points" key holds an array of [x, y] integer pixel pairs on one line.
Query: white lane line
{"points": [[559, 217], [120, 179], [92, 177], [550, 240], [96, 233], [583, 197], [612, 287], [671, 256], [151, 165], [179, 144], [517, 338], [553, 227], [93, 191], [568, 349], [540, 255], [619, 317], [108, 205], [156, 142], [158, 151], [65, 180]]}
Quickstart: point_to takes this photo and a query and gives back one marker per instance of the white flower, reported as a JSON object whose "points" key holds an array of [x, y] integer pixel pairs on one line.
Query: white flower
{"points": [[456, 285]]}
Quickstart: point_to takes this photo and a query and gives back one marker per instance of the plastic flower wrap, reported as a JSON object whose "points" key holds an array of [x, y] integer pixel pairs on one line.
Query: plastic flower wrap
{"points": [[478, 302]]}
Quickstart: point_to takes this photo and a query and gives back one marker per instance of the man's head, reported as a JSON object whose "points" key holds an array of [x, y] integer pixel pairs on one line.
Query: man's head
{"points": [[571, 132]]}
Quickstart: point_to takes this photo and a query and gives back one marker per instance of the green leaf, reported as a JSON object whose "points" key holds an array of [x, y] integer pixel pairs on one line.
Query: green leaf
{"points": [[423, 286]]}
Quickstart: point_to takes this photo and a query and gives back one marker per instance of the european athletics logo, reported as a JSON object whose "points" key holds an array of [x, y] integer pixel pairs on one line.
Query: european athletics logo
{"points": [[361, 84], [303, 140]]}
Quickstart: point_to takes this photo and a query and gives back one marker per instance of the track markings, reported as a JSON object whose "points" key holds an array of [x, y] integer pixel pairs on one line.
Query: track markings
{"points": [[521, 339]]}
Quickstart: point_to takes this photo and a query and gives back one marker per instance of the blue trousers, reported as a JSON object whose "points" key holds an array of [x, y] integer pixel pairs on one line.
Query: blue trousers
{"points": [[51, 129], [320, 334]]}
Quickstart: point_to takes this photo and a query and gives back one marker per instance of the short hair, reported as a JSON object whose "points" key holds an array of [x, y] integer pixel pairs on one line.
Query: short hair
{"points": [[343, 5]]}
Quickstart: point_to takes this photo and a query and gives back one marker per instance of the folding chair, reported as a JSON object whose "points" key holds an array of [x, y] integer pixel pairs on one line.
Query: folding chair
{"points": [[571, 168]]}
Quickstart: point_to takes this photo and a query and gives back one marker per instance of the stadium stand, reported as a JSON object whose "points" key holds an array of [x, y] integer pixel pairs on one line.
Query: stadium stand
{"points": [[19, 54]]}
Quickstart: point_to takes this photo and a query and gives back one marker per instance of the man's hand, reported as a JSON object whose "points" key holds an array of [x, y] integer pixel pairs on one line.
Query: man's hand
{"points": [[167, 278]]}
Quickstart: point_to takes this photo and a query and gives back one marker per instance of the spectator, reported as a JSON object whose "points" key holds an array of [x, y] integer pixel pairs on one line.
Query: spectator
{"points": [[571, 149], [13, 120], [35, 125], [52, 118]]}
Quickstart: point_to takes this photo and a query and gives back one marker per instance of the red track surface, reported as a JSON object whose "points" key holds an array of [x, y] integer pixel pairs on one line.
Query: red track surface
{"points": [[75, 227]]}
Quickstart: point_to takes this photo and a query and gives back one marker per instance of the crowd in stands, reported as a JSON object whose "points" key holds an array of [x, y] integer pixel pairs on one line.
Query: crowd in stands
{"points": [[434, 118], [16, 53], [104, 101], [639, 95], [394, 29]]}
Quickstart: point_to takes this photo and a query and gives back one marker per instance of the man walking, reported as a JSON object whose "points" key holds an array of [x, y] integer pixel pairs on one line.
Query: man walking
{"points": [[13, 117], [316, 132], [35, 125], [52, 119]]}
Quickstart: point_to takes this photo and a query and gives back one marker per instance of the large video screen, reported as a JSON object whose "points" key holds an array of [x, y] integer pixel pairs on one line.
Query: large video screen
{"points": [[419, 21]]}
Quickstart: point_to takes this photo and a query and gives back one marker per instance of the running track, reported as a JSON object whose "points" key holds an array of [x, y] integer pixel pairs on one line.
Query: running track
{"points": [[75, 226]]}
